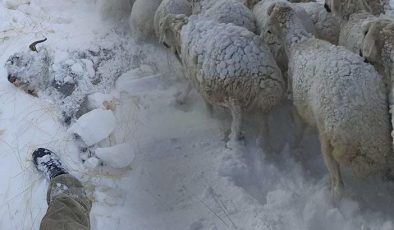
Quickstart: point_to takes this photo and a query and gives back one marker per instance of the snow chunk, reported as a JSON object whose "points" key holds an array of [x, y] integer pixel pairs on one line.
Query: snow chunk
{"points": [[92, 163], [94, 126], [100, 100], [118, 156]]}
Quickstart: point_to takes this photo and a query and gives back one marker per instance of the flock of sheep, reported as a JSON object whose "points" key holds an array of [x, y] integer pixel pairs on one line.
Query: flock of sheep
{"points": [[335, 62]]}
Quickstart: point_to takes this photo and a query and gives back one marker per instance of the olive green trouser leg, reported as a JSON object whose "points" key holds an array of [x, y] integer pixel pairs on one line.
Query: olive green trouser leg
{"points": [[68, 205]]}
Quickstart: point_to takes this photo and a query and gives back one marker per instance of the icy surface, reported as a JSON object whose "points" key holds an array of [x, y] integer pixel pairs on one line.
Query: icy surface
{"points": [[182, 177], [94, 126]]}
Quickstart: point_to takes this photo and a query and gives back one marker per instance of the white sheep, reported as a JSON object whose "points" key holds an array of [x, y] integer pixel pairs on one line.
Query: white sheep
{"points": [[355, 16], [227, 64], [167, 7], [338, 93], [327, 26], [141, 20], [378, 46], [225, 11], [314, 17], [260, 12]]}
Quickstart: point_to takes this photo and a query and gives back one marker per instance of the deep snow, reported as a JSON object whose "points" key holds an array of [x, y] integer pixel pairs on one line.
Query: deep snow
{"points": [[182, 175]]}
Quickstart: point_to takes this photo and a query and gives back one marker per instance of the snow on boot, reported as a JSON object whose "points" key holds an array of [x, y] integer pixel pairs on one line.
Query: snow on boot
{"points": [[48, 162]]}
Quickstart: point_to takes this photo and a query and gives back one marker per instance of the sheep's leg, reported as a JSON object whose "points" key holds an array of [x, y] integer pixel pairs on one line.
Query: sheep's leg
{"points": [[332, 166], [299, 127], [236, 114], [181, 97], [209, 108], [263, 139]]}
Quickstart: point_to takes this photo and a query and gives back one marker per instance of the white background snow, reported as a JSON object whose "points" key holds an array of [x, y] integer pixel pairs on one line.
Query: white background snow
{"points": [[181, 174]]}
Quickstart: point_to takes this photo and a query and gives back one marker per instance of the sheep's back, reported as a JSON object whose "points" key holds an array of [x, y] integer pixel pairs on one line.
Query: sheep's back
{"points": [[352, 32], [345, 98], [223, 61]]}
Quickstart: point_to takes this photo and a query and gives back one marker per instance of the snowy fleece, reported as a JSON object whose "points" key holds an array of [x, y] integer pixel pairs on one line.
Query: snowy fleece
{"points": [[355, 26], [225, 11], [227, 64], [260, 12], [337, 92]]}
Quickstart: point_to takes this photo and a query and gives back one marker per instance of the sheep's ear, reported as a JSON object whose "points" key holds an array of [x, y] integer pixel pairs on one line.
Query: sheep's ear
{"points": [[163, 24], [271, 9], [370, 48]]}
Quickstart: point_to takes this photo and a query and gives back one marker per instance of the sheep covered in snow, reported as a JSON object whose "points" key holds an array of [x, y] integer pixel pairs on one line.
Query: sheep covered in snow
{"points": [[337, 92], [347, 7], [378, 44], [68, 77], [225, 11], [356, 15], [30, 72], [260, 12], [378, 47], [227, 64], [141, 20], [167, 7], [314, 17], [327, 26]]}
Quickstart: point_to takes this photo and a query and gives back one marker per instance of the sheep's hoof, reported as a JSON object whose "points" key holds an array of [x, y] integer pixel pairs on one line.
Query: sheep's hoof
{"points": [[337, 193]]}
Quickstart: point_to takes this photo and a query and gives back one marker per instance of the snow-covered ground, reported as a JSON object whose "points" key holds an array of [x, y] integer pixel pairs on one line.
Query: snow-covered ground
{"points": [[181, 175]]}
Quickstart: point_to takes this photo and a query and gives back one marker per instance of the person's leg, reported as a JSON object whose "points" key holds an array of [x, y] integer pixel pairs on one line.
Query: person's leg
{"points": [[68, 205]]}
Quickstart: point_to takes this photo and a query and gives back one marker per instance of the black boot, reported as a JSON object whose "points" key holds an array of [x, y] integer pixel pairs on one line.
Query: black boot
{"points": [[48, 162]]}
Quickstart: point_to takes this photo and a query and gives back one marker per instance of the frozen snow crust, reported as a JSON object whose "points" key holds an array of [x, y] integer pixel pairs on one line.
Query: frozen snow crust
{"points": [[182, 176]]}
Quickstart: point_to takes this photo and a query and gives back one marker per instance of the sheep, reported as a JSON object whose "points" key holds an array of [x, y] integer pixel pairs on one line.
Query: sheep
{"points": [[225, 11], [317, 20], [355, 16], [167, 7], [327, 26], [30, 72], [141, 19], [378, 48], [69, 77], [335, 91], [227, 64]]}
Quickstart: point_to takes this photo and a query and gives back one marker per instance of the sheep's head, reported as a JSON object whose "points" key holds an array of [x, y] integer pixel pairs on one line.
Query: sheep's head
{"points": [[280, 14], [378, 33], [251, 3], [169, 29], [27, 70], [196, 5], [344, 8]]}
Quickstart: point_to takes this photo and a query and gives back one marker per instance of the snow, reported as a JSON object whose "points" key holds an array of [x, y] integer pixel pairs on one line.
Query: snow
{"points": [[118, 156], [182, 175], [94, 126]]}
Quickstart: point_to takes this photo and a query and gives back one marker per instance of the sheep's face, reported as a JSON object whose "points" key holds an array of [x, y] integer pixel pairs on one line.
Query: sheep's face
{"points": [[170, 27], [344, 8], [377, 35], [27, 70], [196, 5], [251, 3], [280, 14]]}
